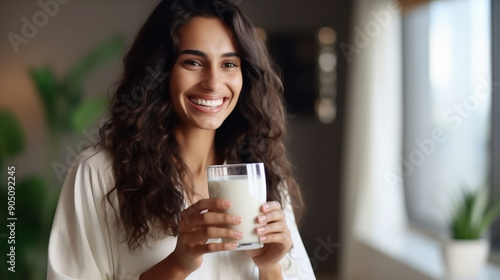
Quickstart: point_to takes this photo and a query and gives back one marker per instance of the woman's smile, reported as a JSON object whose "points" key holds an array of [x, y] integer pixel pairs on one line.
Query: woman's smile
{"points": [[208, 104]]}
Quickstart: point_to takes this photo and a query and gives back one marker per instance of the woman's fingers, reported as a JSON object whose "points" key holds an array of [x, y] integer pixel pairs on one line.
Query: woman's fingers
{"points": [[198, 239], [206, 212], [274, 232], [270, 206], [206, 204], [272, 224], [209, 221], [201, 222], [205, 233], [281, 238], [216, 232], [279, 226], [271, 212], [216, 247], [198, 247], [214, 218]]}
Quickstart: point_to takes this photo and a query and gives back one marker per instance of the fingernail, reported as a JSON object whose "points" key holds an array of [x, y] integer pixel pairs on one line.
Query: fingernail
{"points": [[261, 218], [226, 203], [237, 220], [262, 238], [265, 206], [260, 229]]}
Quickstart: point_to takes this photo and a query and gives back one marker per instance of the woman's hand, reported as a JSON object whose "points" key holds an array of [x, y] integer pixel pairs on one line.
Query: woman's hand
{"points": [[274, 233], [199, 222]]}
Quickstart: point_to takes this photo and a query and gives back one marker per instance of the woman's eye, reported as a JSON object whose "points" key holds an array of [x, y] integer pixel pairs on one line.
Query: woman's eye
{"points": [[229, 65], [192, 63]]}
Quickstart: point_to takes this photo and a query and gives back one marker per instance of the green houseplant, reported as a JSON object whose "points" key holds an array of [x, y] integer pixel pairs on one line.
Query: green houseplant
{"points": [[467, 251], [67, 112], [474, 215]]}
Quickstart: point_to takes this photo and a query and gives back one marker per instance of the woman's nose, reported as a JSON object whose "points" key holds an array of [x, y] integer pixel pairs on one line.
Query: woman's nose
{"points": [[211, 80]]}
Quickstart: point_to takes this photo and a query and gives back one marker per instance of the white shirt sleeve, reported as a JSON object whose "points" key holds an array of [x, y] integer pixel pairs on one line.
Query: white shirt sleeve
{"points": [[79, 246], [295, 264]]}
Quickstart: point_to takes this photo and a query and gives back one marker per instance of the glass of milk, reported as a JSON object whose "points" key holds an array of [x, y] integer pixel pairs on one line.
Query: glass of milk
{"points": [[245, 186]]}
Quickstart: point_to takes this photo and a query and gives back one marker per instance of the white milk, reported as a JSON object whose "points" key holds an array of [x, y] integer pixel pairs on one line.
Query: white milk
{"points": [[246, 196]]}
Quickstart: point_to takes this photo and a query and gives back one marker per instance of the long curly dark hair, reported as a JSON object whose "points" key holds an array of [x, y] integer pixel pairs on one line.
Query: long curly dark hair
{"points": [[147, 162]]}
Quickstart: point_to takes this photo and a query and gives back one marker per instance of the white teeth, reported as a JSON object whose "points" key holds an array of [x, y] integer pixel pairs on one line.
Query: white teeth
{"points": [[207, 103]]}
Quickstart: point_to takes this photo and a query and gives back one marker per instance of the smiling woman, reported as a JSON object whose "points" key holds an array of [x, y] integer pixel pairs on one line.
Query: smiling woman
{"points": [[136, 205]]}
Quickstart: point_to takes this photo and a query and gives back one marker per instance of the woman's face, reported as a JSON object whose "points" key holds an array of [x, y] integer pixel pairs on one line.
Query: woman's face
{"points": [[206, 79]]}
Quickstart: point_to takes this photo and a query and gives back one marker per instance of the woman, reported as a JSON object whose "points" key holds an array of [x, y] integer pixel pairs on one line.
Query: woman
{"points": [[198, 90]]}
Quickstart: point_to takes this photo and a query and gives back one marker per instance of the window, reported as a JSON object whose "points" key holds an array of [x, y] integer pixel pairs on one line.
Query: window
{"points": [[447, 106]]}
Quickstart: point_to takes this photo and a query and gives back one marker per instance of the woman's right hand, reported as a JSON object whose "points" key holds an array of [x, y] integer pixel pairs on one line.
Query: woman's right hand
{"points": [[200, 222]]}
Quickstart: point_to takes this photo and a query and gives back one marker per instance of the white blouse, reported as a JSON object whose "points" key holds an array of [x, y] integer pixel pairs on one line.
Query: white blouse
{"points": [[86, 244]]}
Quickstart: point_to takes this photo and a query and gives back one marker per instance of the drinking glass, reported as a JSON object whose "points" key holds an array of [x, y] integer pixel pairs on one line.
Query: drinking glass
{"points": [[244, 185]]}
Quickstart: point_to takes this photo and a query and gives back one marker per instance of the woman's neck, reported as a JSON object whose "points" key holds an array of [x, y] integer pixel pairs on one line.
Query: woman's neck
{"points": [[197, 148], [198, 151]]}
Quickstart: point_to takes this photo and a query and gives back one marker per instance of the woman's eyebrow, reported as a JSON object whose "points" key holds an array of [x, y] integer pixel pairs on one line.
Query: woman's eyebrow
{"points": [[230, 54], [202, 54]]}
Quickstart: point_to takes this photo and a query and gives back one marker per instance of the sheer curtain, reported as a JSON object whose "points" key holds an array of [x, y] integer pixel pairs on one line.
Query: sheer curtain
{"points": [[373, 194]]}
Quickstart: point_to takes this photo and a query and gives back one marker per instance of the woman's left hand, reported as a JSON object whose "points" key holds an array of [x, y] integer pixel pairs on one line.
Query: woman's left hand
{"points": [[274, 233]]}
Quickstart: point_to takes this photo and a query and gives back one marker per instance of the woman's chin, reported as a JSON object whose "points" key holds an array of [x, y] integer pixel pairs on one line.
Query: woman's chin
{"points": [[210, 125]]}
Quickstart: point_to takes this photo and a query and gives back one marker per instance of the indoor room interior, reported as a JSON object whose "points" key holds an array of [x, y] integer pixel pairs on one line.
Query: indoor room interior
{"points": [[393, 120]]}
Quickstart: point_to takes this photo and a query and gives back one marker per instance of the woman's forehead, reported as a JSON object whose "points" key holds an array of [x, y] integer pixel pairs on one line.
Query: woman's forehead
{"points": [[207, 34]]}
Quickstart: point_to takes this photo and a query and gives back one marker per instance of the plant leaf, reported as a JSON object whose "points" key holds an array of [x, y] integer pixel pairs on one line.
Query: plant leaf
{"points": [[47, 87], [462, 225], [31, 229], [473, 216], [92, 60], [88, 112], [460, 228], [31, 193], [489, 218], [12, 138], [480, 202]]}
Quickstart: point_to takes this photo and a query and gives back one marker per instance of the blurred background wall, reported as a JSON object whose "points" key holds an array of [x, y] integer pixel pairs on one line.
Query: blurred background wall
{"points": [[71, 28]]}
